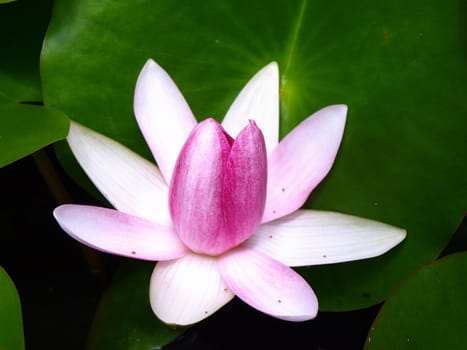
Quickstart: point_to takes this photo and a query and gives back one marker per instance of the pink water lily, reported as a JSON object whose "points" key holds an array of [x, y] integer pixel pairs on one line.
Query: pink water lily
{"points": [[221, 211]]}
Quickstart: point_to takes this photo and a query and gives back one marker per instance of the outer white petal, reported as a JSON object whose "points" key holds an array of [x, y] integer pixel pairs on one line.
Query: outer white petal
{"points": [[130, 183], [258, 100], [302, 159], [115, 232], [187, 290], [163, 115], [268, 285], [309, 237]]}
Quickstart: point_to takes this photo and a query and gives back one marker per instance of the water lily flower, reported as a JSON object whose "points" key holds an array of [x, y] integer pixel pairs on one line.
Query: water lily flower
{"points": [[221, 210]]}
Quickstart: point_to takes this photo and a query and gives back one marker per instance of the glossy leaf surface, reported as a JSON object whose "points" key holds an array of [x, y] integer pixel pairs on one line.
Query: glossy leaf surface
{"points": [[124, 320], [23, 25], [11, 329], [25, 129], [427, 311]]}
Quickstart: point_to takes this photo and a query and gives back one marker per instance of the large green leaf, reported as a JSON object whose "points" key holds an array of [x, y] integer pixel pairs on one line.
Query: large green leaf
{"points": [[23, 25], [11, 323], [399, 65], [26, 128], [124, 320], [427, 311]]}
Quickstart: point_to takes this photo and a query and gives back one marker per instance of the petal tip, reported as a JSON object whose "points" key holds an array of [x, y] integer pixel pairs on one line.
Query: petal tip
{"points": [[336, 116], [56, 212], [149, 71], [271, 68], [339, 110], [60, 211], [270, 73], [394, 236], [149, 65], [343, 108], [400, 235]]}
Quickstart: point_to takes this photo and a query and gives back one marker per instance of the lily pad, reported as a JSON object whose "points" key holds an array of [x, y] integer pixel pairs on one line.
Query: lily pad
{"points": [[398, 65], [124, 320], [23, 25], [11, 331], [427, 311], [25, 129]]}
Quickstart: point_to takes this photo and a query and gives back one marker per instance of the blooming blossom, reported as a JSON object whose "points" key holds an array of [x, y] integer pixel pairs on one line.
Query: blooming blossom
{"points": [[221, 210]]}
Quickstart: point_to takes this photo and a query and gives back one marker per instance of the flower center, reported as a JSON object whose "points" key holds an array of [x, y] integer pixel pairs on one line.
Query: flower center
{"points": [[218, 188]]}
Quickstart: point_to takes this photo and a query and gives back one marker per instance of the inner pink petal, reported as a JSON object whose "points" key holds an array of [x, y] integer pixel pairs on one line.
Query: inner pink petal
{"points": [[195, 198], [218, 190], [244, 187]]}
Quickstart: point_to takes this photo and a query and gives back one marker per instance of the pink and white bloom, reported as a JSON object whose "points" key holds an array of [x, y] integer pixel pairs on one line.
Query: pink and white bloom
{"points": [[220, 213]]}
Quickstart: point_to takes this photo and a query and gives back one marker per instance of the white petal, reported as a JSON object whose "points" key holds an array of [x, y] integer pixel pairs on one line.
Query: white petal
{"points": [[309, 237], [258, 100], [163, 115], [130, 183], [268, 285], [187, 290], [302, 159], [114, 232]]}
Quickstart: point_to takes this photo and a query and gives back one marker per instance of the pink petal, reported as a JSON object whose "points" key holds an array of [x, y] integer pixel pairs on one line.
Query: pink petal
{"points": [[258, 100], [164, 117], [187, 290], [244, 193], [118, 233], [129, 182], [309, 237], [196, 189], [268, 285], [302, 159]]}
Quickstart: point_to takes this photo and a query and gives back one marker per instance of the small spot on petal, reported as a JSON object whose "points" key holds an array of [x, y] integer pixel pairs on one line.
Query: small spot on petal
{"points": [[324, 256], [133, 252], [279, 301], [206, 312], [274, 212], [283, 189], [270, 236], [225, 290]]}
